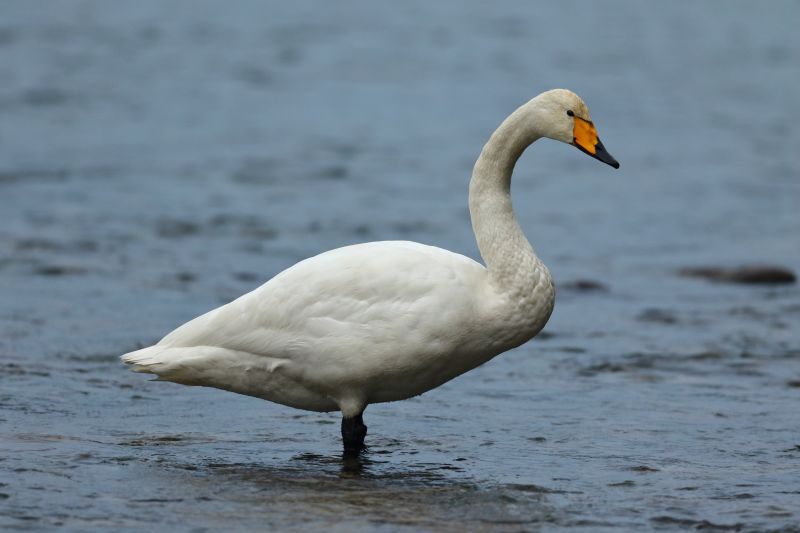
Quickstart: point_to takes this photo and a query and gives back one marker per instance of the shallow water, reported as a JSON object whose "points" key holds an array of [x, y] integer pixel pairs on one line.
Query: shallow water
{"points": [[159, 160]]}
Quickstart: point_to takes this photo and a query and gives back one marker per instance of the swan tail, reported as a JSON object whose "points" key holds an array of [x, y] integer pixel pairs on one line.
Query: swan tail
{"points": [[210, 366], [187, 366]]}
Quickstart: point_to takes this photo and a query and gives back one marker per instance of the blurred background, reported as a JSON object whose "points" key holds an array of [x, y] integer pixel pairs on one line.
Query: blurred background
{"points": [[158, 159]]}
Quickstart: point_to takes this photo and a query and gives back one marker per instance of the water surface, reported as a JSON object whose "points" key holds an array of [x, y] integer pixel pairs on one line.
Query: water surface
{"points": [[159, 160]]}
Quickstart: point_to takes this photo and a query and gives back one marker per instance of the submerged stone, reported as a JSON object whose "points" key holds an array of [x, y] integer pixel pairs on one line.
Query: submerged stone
{"points": [[752, 274]]}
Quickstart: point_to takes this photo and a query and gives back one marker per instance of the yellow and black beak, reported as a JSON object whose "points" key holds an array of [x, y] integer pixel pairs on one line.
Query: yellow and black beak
{"points": [[584, 136]]}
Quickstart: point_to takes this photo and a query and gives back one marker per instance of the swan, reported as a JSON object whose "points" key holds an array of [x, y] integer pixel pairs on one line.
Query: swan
{"points": [[386, 321]]}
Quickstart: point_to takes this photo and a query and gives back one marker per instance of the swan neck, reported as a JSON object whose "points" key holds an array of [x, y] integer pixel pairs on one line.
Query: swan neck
{"points": [[510, 259]]}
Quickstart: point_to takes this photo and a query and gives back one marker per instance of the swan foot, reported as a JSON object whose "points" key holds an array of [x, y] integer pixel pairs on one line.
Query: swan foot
{"points": [[353, 433]]}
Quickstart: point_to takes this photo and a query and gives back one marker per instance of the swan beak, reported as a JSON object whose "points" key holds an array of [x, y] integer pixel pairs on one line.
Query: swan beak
{"points": [[584, 137]]}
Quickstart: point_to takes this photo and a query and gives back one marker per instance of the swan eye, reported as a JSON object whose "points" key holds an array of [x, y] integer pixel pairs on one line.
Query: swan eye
{"points": [[570, 113]]}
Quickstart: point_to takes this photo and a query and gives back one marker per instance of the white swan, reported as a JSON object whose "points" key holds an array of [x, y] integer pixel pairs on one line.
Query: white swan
{"points": [[386, 321]]}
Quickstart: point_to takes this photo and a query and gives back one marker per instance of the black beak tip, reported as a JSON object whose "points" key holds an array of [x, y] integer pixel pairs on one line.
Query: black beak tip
{"points": [[602, 154]]}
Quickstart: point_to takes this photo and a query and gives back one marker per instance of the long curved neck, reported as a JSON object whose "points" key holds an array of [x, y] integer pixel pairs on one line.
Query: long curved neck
{"points": [[512, 263]]}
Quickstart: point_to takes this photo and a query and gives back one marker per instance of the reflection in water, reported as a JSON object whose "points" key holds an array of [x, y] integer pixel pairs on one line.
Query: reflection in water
{"points": [[324, 489], [354, 465]]}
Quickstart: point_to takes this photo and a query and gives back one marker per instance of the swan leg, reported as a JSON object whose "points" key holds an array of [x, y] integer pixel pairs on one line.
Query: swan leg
{"points": [[353, 433]]}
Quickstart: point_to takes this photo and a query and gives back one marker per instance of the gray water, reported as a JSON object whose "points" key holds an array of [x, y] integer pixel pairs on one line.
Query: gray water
{"points": [[159, 159]]}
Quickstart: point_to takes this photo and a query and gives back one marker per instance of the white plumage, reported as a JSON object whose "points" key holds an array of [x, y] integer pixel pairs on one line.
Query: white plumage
{"points": [[383, 321]]}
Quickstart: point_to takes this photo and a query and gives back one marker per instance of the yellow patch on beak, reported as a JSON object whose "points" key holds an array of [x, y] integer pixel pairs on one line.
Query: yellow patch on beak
{"points": [[585, 136]]}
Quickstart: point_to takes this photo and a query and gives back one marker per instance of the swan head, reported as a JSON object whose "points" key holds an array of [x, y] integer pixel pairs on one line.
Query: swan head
{"points": [[564, 117]]}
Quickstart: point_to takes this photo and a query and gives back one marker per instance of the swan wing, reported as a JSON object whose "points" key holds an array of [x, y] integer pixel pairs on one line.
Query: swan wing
{"points": [[352, 317]]}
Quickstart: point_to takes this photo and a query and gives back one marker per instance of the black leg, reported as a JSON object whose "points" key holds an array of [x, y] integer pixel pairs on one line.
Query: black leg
{"points": [[353, 433]]}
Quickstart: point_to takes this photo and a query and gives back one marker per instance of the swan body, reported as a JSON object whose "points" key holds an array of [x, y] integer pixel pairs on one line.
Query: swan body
{"points": [[352, 326], [385, 321]]}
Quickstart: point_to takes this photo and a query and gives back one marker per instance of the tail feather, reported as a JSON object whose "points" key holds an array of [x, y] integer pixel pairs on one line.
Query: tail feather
{"points": [[242, 372], [197, 365], [181, 365], [145, 360]]}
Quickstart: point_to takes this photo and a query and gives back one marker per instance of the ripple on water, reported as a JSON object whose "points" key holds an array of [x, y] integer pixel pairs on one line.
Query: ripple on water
{"points": [[652, 401], [327, 490]]}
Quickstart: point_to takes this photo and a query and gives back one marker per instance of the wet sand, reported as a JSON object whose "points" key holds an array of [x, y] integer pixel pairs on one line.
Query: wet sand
{"points": [[159, 160]]}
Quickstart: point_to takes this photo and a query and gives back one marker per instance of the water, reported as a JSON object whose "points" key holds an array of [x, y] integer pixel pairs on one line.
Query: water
{"points": [[158, 160]]}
